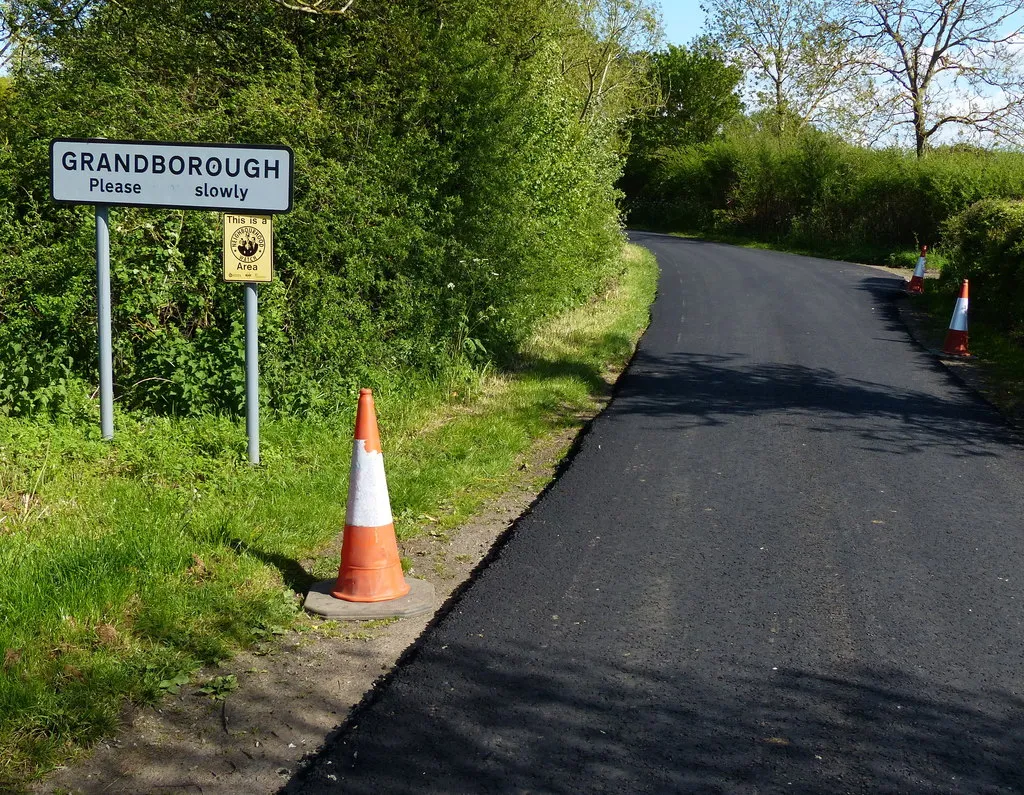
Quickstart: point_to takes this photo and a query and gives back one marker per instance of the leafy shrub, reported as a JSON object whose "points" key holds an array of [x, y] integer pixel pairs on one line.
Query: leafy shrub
{"points": [[449, 194], [985, 244], [811, 188]]}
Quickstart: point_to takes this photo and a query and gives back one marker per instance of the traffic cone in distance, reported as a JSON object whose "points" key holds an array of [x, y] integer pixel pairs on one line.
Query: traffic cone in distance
{"points": [[956, 337], [916, 286], [371, 570]]}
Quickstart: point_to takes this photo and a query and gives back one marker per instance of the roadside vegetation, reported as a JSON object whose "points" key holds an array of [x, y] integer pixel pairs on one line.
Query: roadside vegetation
{"points": [[454, 185], [455, 244], [131, 564]]}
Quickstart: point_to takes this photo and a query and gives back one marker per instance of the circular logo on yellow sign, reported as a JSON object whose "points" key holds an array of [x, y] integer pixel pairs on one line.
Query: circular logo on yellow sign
{"points": [[248, 243]]}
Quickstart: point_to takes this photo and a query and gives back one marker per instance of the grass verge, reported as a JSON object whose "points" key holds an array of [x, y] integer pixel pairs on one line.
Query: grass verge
{"points": [[128, 565], [998, 359]]}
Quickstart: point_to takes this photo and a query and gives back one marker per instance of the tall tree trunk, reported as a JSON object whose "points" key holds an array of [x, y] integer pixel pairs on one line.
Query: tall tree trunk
{"points": [[920, 137]]}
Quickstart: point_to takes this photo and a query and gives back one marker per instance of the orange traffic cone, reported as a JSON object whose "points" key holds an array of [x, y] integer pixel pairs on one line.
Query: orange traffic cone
{"points": [[370, 567], [916, 285], [956, 338]]}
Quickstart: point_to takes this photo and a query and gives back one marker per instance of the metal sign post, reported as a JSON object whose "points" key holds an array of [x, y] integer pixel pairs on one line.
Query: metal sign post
{"points": [[252, 374], [237, 178], [248, 245], [103, 314]]}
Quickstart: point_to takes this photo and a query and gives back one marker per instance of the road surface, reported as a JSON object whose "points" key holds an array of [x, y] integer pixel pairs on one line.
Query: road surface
{"points": [[787, 558]]}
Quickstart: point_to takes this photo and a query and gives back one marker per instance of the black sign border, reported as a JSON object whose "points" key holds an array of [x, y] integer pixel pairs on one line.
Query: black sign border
{"points": [[216, 209]]}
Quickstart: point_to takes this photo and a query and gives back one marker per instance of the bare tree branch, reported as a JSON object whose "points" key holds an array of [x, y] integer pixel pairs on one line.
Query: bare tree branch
{"points": [[24, 22], [612, 32], [802, 64], [951, 59], [319, 7]]}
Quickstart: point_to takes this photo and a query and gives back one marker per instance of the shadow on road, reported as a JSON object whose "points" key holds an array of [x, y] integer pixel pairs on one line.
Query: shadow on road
{"points": [[515, 725], [692, 390], [502, 715]]}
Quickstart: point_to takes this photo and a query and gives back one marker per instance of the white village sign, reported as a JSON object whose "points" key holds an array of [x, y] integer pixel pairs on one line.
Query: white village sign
{"points": [[250, 179], [239, 178]]}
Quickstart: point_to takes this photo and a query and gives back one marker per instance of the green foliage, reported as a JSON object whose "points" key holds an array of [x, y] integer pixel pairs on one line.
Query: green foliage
{"points": [[220, 687], [985, 244], [454, 185], [813, 189], [173, 685], [698, 96]]}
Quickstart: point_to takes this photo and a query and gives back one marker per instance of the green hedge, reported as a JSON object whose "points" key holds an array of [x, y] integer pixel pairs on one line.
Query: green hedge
{"points": [[448, 195], [985, 243], [814, 189]]}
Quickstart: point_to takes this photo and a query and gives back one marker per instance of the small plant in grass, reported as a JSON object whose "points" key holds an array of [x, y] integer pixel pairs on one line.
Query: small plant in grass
{"points": [[173, 685], [907, 258], [220, 687]]}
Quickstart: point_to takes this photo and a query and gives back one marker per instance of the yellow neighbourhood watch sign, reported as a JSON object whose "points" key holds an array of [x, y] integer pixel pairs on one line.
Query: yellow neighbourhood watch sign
{"points": [[248, 248]]}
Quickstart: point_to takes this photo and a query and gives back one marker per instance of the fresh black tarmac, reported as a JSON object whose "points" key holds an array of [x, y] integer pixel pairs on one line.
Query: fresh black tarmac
{"points": [[788, 557]]}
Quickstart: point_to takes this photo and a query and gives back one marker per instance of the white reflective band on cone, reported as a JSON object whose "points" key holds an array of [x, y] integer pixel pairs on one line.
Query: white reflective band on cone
{"points": [[368, 502], [959, 320]]}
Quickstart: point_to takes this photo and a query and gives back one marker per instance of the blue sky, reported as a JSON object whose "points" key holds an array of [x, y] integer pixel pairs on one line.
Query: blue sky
{"points": [[683, 20]]}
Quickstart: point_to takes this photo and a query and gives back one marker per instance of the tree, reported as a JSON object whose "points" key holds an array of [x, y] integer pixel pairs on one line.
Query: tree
{"points": [[24, 22], [949, 62], [801, 60], [698, 94], [698, 91], [600, 57]]}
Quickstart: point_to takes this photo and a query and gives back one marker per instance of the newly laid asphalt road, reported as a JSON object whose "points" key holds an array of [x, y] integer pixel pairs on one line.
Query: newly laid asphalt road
{"points": [[789, 556]]}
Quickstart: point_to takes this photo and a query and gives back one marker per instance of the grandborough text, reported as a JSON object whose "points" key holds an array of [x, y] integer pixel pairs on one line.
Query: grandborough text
{"points": [[190, 165]]}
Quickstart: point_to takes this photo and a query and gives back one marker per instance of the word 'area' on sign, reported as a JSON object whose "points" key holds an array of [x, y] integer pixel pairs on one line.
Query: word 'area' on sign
{"points": [[248, 248]]}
